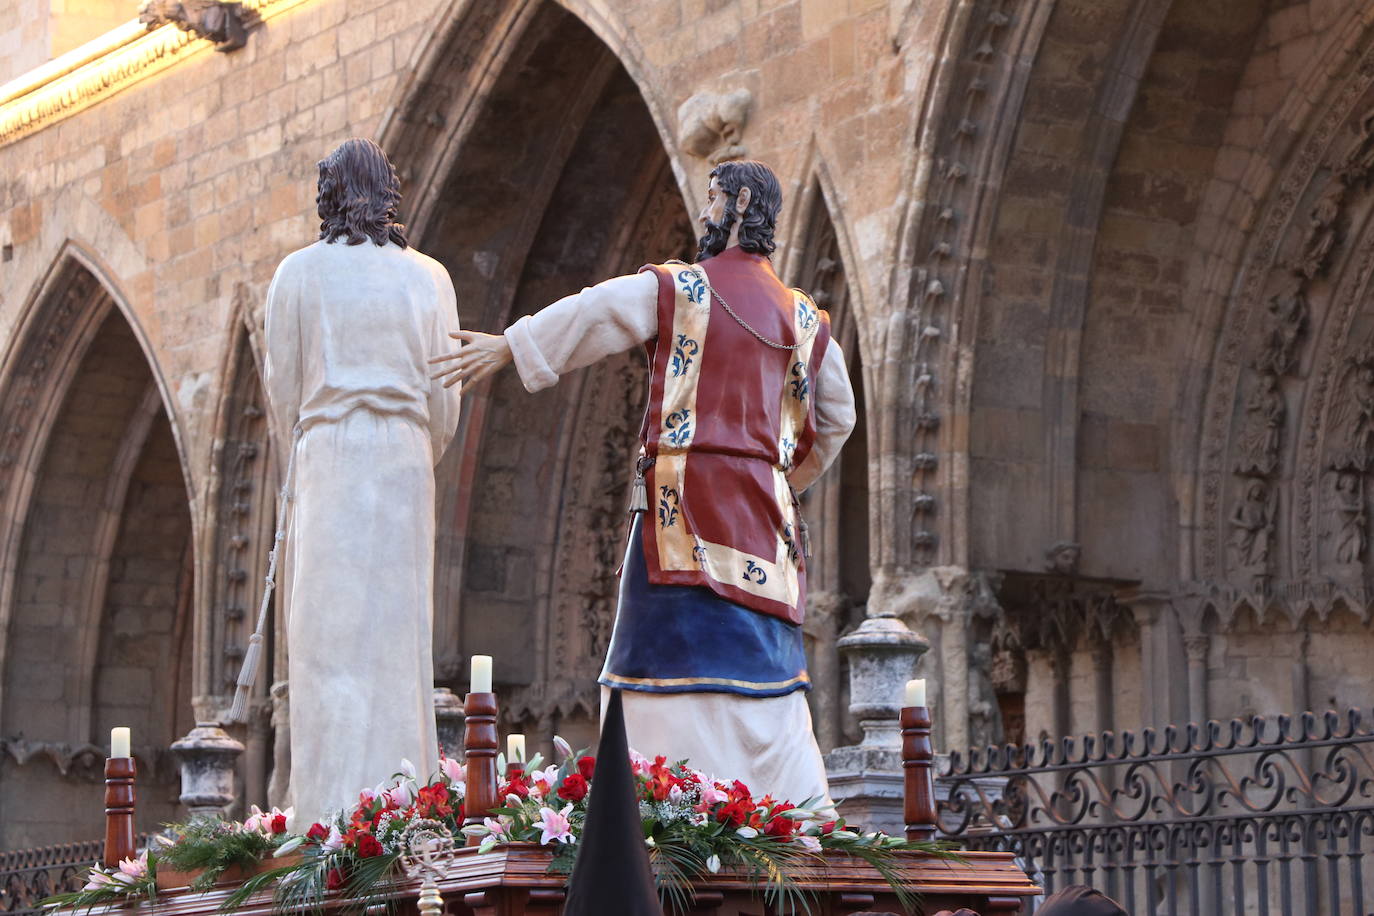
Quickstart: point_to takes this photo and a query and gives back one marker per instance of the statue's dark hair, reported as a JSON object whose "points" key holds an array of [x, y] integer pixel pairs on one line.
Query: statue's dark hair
{"points": [[358, 195], [760, 218]]}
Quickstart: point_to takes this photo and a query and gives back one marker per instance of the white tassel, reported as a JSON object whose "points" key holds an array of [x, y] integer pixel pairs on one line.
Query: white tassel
{"points": [[252, 657]]}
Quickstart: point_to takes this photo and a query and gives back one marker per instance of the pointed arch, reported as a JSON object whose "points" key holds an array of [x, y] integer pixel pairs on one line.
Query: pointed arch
{"points": [[95, 535]]}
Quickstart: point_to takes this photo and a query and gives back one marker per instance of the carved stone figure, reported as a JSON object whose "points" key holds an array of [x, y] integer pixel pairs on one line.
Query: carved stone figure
{"points": [[1359, 159], [1252, 527], [985, 715], [352, 321], [1322, 231], [1352, 417], [1350, 509], [1285, 325], [1263, 428], [713, 124]]}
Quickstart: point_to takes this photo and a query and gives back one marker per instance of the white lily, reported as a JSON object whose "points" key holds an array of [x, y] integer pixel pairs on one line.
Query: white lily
{"points": [[713, 863], [290, 846]]}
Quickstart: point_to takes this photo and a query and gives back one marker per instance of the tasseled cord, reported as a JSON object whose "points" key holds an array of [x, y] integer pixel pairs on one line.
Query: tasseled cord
{"points": [[252, 658], [639, 497]]}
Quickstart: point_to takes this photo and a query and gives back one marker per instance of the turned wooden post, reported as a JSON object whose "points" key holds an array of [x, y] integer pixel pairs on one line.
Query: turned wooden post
{"points": [[918, 758], [479, 755], [120, 796]]}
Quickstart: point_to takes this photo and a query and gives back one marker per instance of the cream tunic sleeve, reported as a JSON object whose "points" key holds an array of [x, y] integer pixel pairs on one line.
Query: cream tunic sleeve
{"points": [[443, 402], [580, 329], [835, 418], [282, 360]]}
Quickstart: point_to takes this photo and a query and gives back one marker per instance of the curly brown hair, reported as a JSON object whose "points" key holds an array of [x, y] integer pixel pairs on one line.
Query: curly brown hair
{"points": [[358, 195]]}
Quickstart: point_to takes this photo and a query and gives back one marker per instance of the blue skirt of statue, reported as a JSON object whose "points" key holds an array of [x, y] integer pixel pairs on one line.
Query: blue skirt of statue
{"points": [[688, 639]]}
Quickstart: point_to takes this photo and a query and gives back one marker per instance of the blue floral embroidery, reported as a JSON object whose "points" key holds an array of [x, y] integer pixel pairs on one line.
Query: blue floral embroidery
{"points": [[753, 572], [679, 426], [693, 286], [682, 354], [801, 385], [788, 449], [667, 507], [807, 316], [790, 542], [699, 554]]}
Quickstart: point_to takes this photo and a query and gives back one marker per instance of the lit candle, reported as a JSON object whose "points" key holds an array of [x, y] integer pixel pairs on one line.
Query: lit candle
{"points": [[481, 674], [915, 692], [515, 748], [119, 742]]}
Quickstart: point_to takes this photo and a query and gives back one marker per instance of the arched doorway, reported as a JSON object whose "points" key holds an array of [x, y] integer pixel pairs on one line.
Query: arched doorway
{"points": [[558, 179], [98, 568]]}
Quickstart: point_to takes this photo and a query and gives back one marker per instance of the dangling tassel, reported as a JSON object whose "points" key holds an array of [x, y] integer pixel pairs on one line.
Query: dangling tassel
{"points": [[805, 532], [639, 494], [252, 657]]}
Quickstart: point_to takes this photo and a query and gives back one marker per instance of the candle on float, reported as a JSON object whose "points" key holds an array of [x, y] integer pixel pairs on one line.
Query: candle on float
{"points": [[515, 748], [481, 674], [119, 742], [915, 692]]}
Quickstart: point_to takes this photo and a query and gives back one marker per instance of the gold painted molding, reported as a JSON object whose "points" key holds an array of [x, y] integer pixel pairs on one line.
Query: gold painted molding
{"points": [[101, 67]]}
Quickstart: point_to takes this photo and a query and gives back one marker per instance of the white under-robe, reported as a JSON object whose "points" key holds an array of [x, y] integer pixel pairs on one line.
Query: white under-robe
{"points": [[765, 742], [350, 330]]}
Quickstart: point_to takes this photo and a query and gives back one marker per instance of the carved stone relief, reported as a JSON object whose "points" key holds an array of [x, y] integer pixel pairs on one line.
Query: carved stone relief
{"points": [[712, 124]]}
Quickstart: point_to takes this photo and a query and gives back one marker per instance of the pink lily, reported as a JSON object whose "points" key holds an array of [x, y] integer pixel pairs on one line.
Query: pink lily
{"points": [[453, 770], [97, 880], [556, 825]]}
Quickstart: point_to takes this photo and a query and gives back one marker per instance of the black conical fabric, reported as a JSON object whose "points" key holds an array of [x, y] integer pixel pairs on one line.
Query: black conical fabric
{"points": [[612, 873]]}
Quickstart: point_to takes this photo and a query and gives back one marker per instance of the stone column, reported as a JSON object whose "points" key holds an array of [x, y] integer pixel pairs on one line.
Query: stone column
{"points": [[1196, 647], [1103, 713], [448, 721], [823, 610], [866, 779], [279, 786], [207, 755], [255, 763], [1154, 616]]}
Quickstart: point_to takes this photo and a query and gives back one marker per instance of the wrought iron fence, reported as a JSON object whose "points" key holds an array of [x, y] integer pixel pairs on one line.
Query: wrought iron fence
{"points": [[29, 875], [1257, 816]]}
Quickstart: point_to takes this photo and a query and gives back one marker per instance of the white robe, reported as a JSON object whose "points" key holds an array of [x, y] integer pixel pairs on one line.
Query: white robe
{"points": [[766, 742], [350, 330]]}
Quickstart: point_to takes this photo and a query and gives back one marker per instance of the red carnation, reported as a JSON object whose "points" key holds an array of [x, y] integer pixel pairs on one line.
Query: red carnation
{"points": [[733, 813], [586, 766], [317, 832], [368, 846], [279, 823], [574, 787], [335, 879]]}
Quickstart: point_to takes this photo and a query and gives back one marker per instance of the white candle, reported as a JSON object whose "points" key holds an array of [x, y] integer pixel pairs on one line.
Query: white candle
{"points": [[915, 692], [481, 674], [515, 749], [119, 742]]}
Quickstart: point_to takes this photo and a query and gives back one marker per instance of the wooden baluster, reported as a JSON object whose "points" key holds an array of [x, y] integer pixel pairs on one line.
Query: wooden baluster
{"points": [[121, 794], [918, 758], [479, 755]]}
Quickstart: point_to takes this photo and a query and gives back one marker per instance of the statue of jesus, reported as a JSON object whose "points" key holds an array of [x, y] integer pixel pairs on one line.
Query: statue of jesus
{"points": [[749, 402], [352, 321]]}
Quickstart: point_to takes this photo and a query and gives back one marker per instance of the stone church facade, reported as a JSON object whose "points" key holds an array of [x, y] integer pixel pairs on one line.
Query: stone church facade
{"points": [[1100, 269]]}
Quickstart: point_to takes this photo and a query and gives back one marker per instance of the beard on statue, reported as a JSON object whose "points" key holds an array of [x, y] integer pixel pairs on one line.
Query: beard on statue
{"points": [[716, 239]]}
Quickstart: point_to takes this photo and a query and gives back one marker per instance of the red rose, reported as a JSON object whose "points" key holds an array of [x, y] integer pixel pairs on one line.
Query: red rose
{"points": [[368, 846], [781, 827], [334, 880], [586, 766], [828, 827], [279, 824], [519, 787], [574, 787], [317, 832]]}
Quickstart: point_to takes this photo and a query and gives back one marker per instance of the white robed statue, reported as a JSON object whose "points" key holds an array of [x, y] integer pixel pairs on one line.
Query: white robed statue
{"points": [[352, 321]]}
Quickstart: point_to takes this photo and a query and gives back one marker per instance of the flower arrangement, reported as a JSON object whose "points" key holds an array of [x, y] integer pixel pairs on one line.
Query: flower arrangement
{"points": [[694, 824]]}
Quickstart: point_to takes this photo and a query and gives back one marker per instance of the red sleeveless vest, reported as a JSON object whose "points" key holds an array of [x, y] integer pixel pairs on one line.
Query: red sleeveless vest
{"points": [[729, 417]]}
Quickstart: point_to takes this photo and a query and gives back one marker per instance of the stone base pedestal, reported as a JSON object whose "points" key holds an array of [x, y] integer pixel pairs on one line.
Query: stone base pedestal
{"points": [[866, 783]]}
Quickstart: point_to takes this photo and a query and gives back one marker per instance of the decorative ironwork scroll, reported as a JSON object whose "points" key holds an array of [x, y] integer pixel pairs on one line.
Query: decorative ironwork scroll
{"points": [[29, 875], [1260, 815]]}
